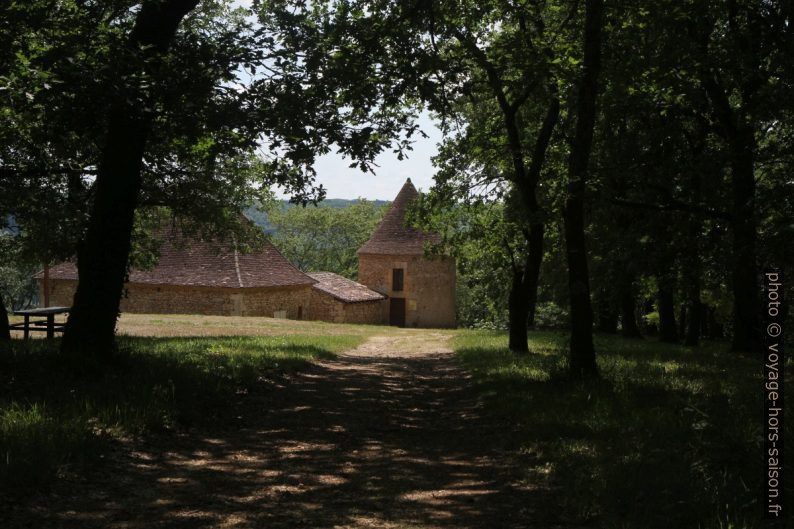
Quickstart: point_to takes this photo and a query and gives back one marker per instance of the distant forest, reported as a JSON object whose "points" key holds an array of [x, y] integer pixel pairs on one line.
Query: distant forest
{"points": [[258, 214]]}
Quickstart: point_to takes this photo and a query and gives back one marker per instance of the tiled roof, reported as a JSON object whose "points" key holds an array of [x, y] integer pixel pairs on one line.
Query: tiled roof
{"points": [[392, 237], [198, 263], [343, 289]]}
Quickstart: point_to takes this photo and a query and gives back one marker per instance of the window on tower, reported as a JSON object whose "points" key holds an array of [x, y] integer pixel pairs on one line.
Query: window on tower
{"points": [[397, 279]]}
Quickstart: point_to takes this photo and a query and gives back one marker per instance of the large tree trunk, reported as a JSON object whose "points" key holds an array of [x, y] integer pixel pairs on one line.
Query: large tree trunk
{"points": [[745, 296], [691, 327], [525, 179], [102, 255], [523, 294], [517, 313], [582, 353], [740, 137], [666, 305]]}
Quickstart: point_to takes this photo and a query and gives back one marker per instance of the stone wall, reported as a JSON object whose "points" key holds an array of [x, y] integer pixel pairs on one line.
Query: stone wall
{"points": [[428, 286], [324, 307], [170, 299]]}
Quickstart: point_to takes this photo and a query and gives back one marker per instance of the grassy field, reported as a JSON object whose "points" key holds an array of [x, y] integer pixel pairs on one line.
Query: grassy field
{"points": [[53, 419], [669, 437], [163, 325]]}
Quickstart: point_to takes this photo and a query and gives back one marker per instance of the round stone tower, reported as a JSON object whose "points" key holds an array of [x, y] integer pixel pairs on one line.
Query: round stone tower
{"points": [[420, 290]]}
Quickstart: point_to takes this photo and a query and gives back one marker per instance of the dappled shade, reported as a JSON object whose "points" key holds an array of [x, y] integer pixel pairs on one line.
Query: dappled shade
{"points": [[383, 437]]}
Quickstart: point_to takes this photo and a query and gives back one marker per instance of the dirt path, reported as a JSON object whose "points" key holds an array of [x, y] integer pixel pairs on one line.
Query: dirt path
{"points": [[389, 435]]}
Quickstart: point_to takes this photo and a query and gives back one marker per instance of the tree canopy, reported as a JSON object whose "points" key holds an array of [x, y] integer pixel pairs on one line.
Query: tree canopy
{"points": [[634, 154]]}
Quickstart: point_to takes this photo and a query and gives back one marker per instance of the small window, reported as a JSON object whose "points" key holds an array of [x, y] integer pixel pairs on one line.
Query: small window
{"points": [[397, 279]]}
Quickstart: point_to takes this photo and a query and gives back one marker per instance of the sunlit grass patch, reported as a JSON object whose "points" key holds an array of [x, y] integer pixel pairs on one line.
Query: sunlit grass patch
{"points": [[52, 416], [667, 437]]}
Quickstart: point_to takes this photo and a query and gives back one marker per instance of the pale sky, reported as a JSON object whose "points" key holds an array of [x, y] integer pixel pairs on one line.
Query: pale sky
{"points": [[341, 181]]}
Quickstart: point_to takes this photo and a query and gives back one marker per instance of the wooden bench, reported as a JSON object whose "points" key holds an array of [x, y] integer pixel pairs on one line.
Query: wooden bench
{"points": [[47, 324]]}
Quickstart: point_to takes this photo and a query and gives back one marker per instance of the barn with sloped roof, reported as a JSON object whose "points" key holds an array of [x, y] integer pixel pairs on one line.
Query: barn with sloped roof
{"points": [[398, 284], [420, 289], [198, 277]]}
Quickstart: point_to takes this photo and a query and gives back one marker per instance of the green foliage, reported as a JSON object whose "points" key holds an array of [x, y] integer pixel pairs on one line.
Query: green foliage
{"points": [[324, 238], [484, 243], [549, 315], [669, 437], [52, 419], [17, 286], [63, 66], [651, 319]]}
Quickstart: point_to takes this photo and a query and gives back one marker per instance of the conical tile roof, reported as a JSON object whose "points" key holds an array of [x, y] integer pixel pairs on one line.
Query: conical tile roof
{"points": [[392, 237]]}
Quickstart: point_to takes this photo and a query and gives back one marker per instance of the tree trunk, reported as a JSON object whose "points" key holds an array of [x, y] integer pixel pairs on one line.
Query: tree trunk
{"points": [[694, 306], [740, 137], [713, 329], [695, 311], [5, 331], [537, 229], [704, 321], [691, 327], [532, 272], [745, 297], [682, 319], [102, 255], [607, 317], [666, 306], [582, 353], [523, 294], [604, 301], [517, 313], [628, 310], [525, 179]]}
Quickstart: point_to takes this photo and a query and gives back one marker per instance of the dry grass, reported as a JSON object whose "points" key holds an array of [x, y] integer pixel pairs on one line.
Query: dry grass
{"points": [[196, 325], [180, 325]]}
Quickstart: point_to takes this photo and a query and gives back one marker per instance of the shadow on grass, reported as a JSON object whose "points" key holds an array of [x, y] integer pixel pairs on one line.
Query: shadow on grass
{"points": [[55, 418], [667, 437], [365, 441]]}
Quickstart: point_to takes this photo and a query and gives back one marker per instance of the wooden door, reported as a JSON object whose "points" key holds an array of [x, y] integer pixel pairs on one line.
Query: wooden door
{"points": [[397, 312]]}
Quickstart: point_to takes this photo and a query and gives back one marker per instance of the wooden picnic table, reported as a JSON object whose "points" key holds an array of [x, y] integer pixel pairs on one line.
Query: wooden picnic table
{"points": [[47, 324]]}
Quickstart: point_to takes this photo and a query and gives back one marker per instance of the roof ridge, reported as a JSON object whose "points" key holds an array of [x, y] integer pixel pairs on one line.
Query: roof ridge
{"points": [[237, 262]]}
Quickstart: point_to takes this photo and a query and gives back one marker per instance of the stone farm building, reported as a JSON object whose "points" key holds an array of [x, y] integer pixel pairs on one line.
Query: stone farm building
{"points": [[420, 290], [398, 285]]}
